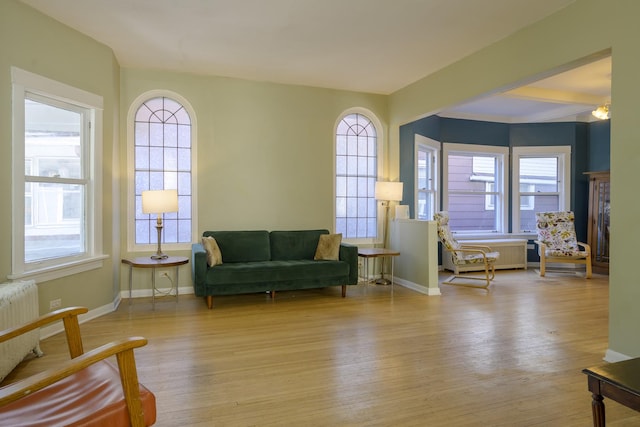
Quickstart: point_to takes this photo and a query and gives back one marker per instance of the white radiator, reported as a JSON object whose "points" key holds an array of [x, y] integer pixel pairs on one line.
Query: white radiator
{"points": [[513, 254], [18, 304]]}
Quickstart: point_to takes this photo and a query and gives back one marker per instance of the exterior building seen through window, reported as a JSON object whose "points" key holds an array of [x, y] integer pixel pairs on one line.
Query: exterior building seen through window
{"points": [[55, 179]]}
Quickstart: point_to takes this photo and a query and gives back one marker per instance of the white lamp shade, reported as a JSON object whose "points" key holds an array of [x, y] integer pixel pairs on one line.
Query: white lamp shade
{"points": [[159, 201], [388, 191]]}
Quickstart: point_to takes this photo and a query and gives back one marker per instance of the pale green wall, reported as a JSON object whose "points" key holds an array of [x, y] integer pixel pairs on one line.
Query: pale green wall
{"points": [[41, 45], [586, 28], [265, 152]]}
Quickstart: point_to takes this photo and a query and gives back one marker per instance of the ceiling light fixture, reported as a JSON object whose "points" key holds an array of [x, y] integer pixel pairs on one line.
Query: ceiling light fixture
{"points": [[602, 112]]}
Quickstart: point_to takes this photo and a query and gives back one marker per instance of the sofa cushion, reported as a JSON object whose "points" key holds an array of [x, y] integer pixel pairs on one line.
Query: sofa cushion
{"points": [[275, 271], [328, 247], [214, 256], [291, 245], [242, 246]]}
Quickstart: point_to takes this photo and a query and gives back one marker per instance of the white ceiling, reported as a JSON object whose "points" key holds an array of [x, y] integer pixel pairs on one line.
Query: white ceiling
{"points": [[376, 46], [567, 96]]}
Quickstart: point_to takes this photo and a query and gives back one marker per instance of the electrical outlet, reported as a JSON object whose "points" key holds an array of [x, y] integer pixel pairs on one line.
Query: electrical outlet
{"points": [[55, 303], [164, 274]]}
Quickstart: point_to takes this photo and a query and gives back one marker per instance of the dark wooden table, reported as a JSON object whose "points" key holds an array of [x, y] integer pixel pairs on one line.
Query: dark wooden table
{"points": [[618, 381]]}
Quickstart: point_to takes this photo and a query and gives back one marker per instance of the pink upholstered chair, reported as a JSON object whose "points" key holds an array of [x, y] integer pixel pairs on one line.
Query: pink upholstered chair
{"points": [[462, 255], [557, 241]]}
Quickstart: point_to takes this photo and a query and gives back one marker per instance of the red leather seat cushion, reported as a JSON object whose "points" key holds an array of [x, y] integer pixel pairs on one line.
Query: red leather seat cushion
{"points": [[91, 397]]}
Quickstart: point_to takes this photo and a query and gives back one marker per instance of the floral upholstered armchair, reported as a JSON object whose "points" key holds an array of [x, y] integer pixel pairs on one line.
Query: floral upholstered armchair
{"points": [[557, 241], [465, 254]]}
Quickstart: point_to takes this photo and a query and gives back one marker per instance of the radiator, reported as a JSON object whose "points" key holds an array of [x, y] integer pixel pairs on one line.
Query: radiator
{"points": [[513, 254], [18, 304]]}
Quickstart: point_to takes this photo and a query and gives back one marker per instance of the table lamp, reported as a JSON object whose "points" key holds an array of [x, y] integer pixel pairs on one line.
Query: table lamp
{"points": [[159, 202]]}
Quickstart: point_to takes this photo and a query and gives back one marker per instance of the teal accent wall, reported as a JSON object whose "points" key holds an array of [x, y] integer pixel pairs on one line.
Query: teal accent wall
{"points": [[590, 146], [600, 146], [474, 132], [429, 127]]}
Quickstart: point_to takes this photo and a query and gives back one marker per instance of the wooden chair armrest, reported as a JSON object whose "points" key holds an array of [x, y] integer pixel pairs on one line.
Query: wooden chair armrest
{"points": [[542, 248], [585, 246], [479, 251], [69, 317], [122, 349], [481, 247]]}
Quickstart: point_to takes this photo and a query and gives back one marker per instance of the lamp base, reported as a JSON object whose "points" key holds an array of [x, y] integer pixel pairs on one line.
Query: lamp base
{"points": [[159, 256], [383, 281]]}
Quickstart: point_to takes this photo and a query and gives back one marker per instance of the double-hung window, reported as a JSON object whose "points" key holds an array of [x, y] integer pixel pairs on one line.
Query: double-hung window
{"points": [[541, 183], [475, 187], [426, 185], [56, 178], [356, 175]]}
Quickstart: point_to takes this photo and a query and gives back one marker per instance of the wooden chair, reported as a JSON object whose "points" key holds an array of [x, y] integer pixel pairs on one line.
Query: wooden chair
{"points": [[557, 241], [463, 255], [86, 390]]}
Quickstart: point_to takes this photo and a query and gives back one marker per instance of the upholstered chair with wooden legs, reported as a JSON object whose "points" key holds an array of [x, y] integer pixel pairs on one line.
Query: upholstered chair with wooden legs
{"points": [[557, 241], [463, 255]]}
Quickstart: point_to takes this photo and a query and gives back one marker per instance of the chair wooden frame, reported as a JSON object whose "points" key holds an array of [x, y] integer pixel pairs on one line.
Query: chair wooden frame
{"points": [[465, 255], [489, 267], [558, 228], [542, 249], [121, 349]]}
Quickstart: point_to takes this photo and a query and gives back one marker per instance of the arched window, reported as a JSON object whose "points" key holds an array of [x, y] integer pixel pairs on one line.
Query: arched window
{"points": [[162, 161], [356, 174]]}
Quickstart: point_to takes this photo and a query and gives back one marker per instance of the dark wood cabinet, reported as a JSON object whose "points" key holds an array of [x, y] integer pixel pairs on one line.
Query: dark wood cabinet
{"points": [[598, 227]]}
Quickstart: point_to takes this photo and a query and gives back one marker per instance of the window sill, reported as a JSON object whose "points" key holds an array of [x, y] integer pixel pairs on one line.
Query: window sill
{"points": [[59, 271]]}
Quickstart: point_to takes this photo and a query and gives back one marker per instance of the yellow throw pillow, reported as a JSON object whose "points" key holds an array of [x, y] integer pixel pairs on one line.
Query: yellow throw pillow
{"points": [[328, 247], [214, 256]]}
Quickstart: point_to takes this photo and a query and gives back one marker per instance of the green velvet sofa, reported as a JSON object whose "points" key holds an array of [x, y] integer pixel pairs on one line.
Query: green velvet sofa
{"points": [[259, 260]]}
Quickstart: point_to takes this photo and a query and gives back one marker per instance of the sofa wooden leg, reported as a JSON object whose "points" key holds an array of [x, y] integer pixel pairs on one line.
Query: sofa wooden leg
{"points": [[209, 299], [344, 291], [273, 294]]}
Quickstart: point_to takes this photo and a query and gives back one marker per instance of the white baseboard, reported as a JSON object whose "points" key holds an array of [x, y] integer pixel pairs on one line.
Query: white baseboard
{"points": [[418, 288], [613, 356], [142, 293], [50, 330]]}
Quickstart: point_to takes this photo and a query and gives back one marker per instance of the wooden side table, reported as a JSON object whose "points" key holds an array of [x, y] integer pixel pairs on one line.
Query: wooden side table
{"points": [[147, 262], [618, 381], [367, 253]]}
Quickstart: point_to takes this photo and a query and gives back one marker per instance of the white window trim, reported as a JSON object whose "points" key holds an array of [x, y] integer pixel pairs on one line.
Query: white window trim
{"points": [[22, 82], [563, 152], [422, 143], [133, 108], [381, 152], [502, 154]]}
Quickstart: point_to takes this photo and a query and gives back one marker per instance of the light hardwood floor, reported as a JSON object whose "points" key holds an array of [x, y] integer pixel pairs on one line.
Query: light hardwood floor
{"points": [[510, 356]]}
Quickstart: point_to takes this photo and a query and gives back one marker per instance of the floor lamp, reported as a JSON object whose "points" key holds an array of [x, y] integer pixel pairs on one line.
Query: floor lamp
{"points": [[386, 192], [159, 202]]}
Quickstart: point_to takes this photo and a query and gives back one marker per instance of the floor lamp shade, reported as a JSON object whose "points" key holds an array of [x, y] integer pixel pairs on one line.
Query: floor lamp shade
{"points": [[159, 202], [388, 191]]}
